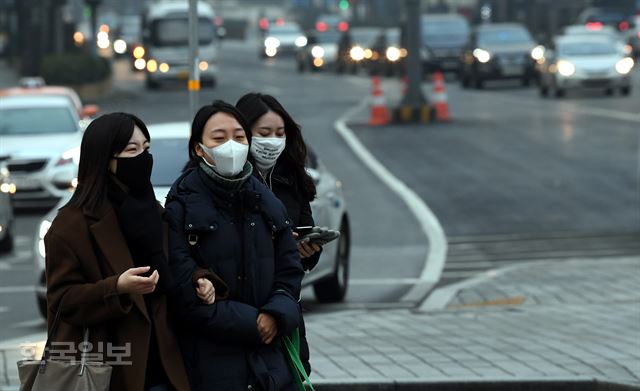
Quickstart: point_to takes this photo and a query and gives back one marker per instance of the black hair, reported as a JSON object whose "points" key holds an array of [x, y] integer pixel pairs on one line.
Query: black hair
{"points": [[105, 137], [254, 105], [201, 118]]}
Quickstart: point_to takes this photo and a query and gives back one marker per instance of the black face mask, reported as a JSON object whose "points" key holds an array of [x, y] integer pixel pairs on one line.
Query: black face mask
{"points": [[135, 172]]}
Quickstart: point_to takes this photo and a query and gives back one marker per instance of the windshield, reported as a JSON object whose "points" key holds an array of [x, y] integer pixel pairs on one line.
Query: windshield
{"points": [[586, 49], [285, 30], [175, 32], [503, 37], [328, 37], [168, 160], [443, 29], [40, 120], [364, 37]]}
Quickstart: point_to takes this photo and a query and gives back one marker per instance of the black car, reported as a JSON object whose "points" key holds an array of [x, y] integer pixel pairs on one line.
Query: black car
{"points": [[444, 37], [602, 16], [320, 52], [498, 51]]}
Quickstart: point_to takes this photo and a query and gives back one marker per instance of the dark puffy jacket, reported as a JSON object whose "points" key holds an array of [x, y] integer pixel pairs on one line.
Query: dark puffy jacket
{"points": [[284, 186], [245, 238]]}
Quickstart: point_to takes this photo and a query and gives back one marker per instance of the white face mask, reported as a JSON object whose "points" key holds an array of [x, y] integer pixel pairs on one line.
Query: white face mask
{"points": [[229, 158], [266, 150]]}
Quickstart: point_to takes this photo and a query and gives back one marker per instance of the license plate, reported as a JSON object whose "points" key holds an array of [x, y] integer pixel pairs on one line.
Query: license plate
{"points": [[183, 75], [512, 70], [24, 183]]}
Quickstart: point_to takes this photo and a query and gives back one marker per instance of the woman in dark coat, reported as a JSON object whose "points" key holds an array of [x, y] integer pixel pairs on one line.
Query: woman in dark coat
{"points": [[280, 153], [224, 220], [106, 267]]}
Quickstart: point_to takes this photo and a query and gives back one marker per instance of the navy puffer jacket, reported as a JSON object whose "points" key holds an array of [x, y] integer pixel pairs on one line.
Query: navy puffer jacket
{"points": [[245, 238]]}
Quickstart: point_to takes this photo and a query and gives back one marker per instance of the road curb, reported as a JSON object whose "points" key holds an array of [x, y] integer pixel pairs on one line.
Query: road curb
{"points": [[436, 238]]}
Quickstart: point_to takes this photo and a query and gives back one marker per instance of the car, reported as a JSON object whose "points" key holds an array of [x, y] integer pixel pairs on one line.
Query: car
{"points": [[498, 51], [41, 137], [320, 52], [444, 38], [600, 31], [39, 89], [605, 16], [329, 278], [385, 55], [585, 62], [7, 189], [331, 22], [353, 47], [282, 39]]}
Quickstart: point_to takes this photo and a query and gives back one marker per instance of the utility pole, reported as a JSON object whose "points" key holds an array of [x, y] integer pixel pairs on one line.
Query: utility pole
{"points": [[194, 70], [93, 41]]}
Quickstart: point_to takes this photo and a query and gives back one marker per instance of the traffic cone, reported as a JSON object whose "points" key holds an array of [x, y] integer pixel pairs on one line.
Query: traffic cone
{"points": [[379, 112], [439, 98]]}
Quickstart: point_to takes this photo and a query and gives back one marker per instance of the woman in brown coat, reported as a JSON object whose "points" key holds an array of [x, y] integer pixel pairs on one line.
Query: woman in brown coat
{"points": [[106, 263]]}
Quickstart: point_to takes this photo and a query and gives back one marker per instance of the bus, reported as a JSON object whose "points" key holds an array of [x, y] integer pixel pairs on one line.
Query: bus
{"points": [[166, 43]]}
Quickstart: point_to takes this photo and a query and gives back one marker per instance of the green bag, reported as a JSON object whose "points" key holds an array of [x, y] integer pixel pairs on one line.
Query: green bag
{"points": [[292, 344]]}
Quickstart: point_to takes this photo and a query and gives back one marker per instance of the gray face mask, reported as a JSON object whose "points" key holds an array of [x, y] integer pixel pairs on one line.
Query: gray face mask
{"points": [[266, 150], [228, 158]]}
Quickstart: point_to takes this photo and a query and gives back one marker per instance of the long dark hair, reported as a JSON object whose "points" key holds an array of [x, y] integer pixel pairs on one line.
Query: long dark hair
{"points": [[201, 118], [104, 138], [254, 105]]}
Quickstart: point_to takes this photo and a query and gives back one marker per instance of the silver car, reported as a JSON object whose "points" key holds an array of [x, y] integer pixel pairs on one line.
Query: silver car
{"points": [[585, 62], [329, 278], [7, 189], [41, 136]]}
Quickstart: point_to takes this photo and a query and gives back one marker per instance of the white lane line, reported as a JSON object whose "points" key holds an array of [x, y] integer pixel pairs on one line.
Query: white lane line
{"points": [[608, 113], [17, 289], [437, 241]]}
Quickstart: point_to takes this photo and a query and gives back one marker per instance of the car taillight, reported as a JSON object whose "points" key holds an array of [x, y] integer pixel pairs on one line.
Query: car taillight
{"points": [[343, 26], [264, 23], [321, 27], [594, 26], [623, 26], [280, 22]]}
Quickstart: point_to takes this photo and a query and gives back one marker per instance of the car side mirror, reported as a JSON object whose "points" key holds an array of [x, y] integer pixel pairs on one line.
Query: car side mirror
{"points": [[89, 111], [314, 174]]}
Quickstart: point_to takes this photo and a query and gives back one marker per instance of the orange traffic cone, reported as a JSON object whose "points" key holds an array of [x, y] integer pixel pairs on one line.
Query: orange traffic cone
{"points": [[439, 98], [379, 112]]}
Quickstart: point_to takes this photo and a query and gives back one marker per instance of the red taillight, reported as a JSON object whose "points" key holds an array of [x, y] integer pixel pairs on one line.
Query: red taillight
{"points": [[280, 21], [218, 21], [623, 26], [595, 26], [343, 26], [321, 26], [264, 23]]}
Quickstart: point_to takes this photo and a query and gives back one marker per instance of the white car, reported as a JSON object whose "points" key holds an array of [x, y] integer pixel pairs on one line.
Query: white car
{"points": [[585, 62], [41, 137], [282, 38], [7, 188], [329, 278]]}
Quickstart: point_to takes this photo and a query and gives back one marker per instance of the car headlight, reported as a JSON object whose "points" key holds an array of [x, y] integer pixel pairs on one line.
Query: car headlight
{"points": [[537, 53], [317, 52], [393, 54], [138, 52], [272, 42], [357, 53], [70, 156], [8, 188], [482, 55], [301, 41], [120, 46], [42, 232], [624, 66], [565, 68]]}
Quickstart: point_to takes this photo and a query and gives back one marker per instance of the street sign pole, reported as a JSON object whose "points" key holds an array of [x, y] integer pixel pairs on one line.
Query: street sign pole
{"points": [[414, 96], [194, 70]]}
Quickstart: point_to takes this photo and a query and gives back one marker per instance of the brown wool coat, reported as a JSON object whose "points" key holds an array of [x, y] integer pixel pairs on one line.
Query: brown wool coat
{"points": [[73, 270]]}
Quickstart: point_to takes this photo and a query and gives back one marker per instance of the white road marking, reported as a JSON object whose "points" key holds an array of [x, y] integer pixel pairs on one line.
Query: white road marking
{"points": [[30, 323], [437, 250], [17, 289]]}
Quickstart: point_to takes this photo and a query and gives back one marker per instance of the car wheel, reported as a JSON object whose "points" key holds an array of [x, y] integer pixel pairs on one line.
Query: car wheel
{"points": [[42, 306], [6, 244], [478, 83], [334, 288], [151, 84], [526, 81], [608, 91], [300, 66], [626, 90], [559, 93], [464, 80], [544, 90]]}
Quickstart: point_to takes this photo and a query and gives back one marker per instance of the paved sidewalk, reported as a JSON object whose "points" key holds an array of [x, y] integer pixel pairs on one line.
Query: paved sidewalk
{"points": [[576, 320], [542, 321]]}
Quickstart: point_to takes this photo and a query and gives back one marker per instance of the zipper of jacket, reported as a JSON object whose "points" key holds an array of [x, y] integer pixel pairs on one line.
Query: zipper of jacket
{"points": [[243, 263]]}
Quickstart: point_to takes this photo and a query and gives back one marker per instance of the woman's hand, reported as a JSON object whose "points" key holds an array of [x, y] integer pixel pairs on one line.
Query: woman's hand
{"points": [[267, 328], [205, 290], [305, 248], [133, 283]]}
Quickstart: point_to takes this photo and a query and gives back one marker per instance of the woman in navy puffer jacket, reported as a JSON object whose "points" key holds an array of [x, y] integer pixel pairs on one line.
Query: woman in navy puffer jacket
{"points": [[226, 226]]}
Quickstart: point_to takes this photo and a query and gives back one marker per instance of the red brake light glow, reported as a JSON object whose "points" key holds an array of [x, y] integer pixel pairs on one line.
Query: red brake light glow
{"points": [[321, 27], [594, 26], [343, 26], [264, 23], [280, 21], [623, 26]]}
